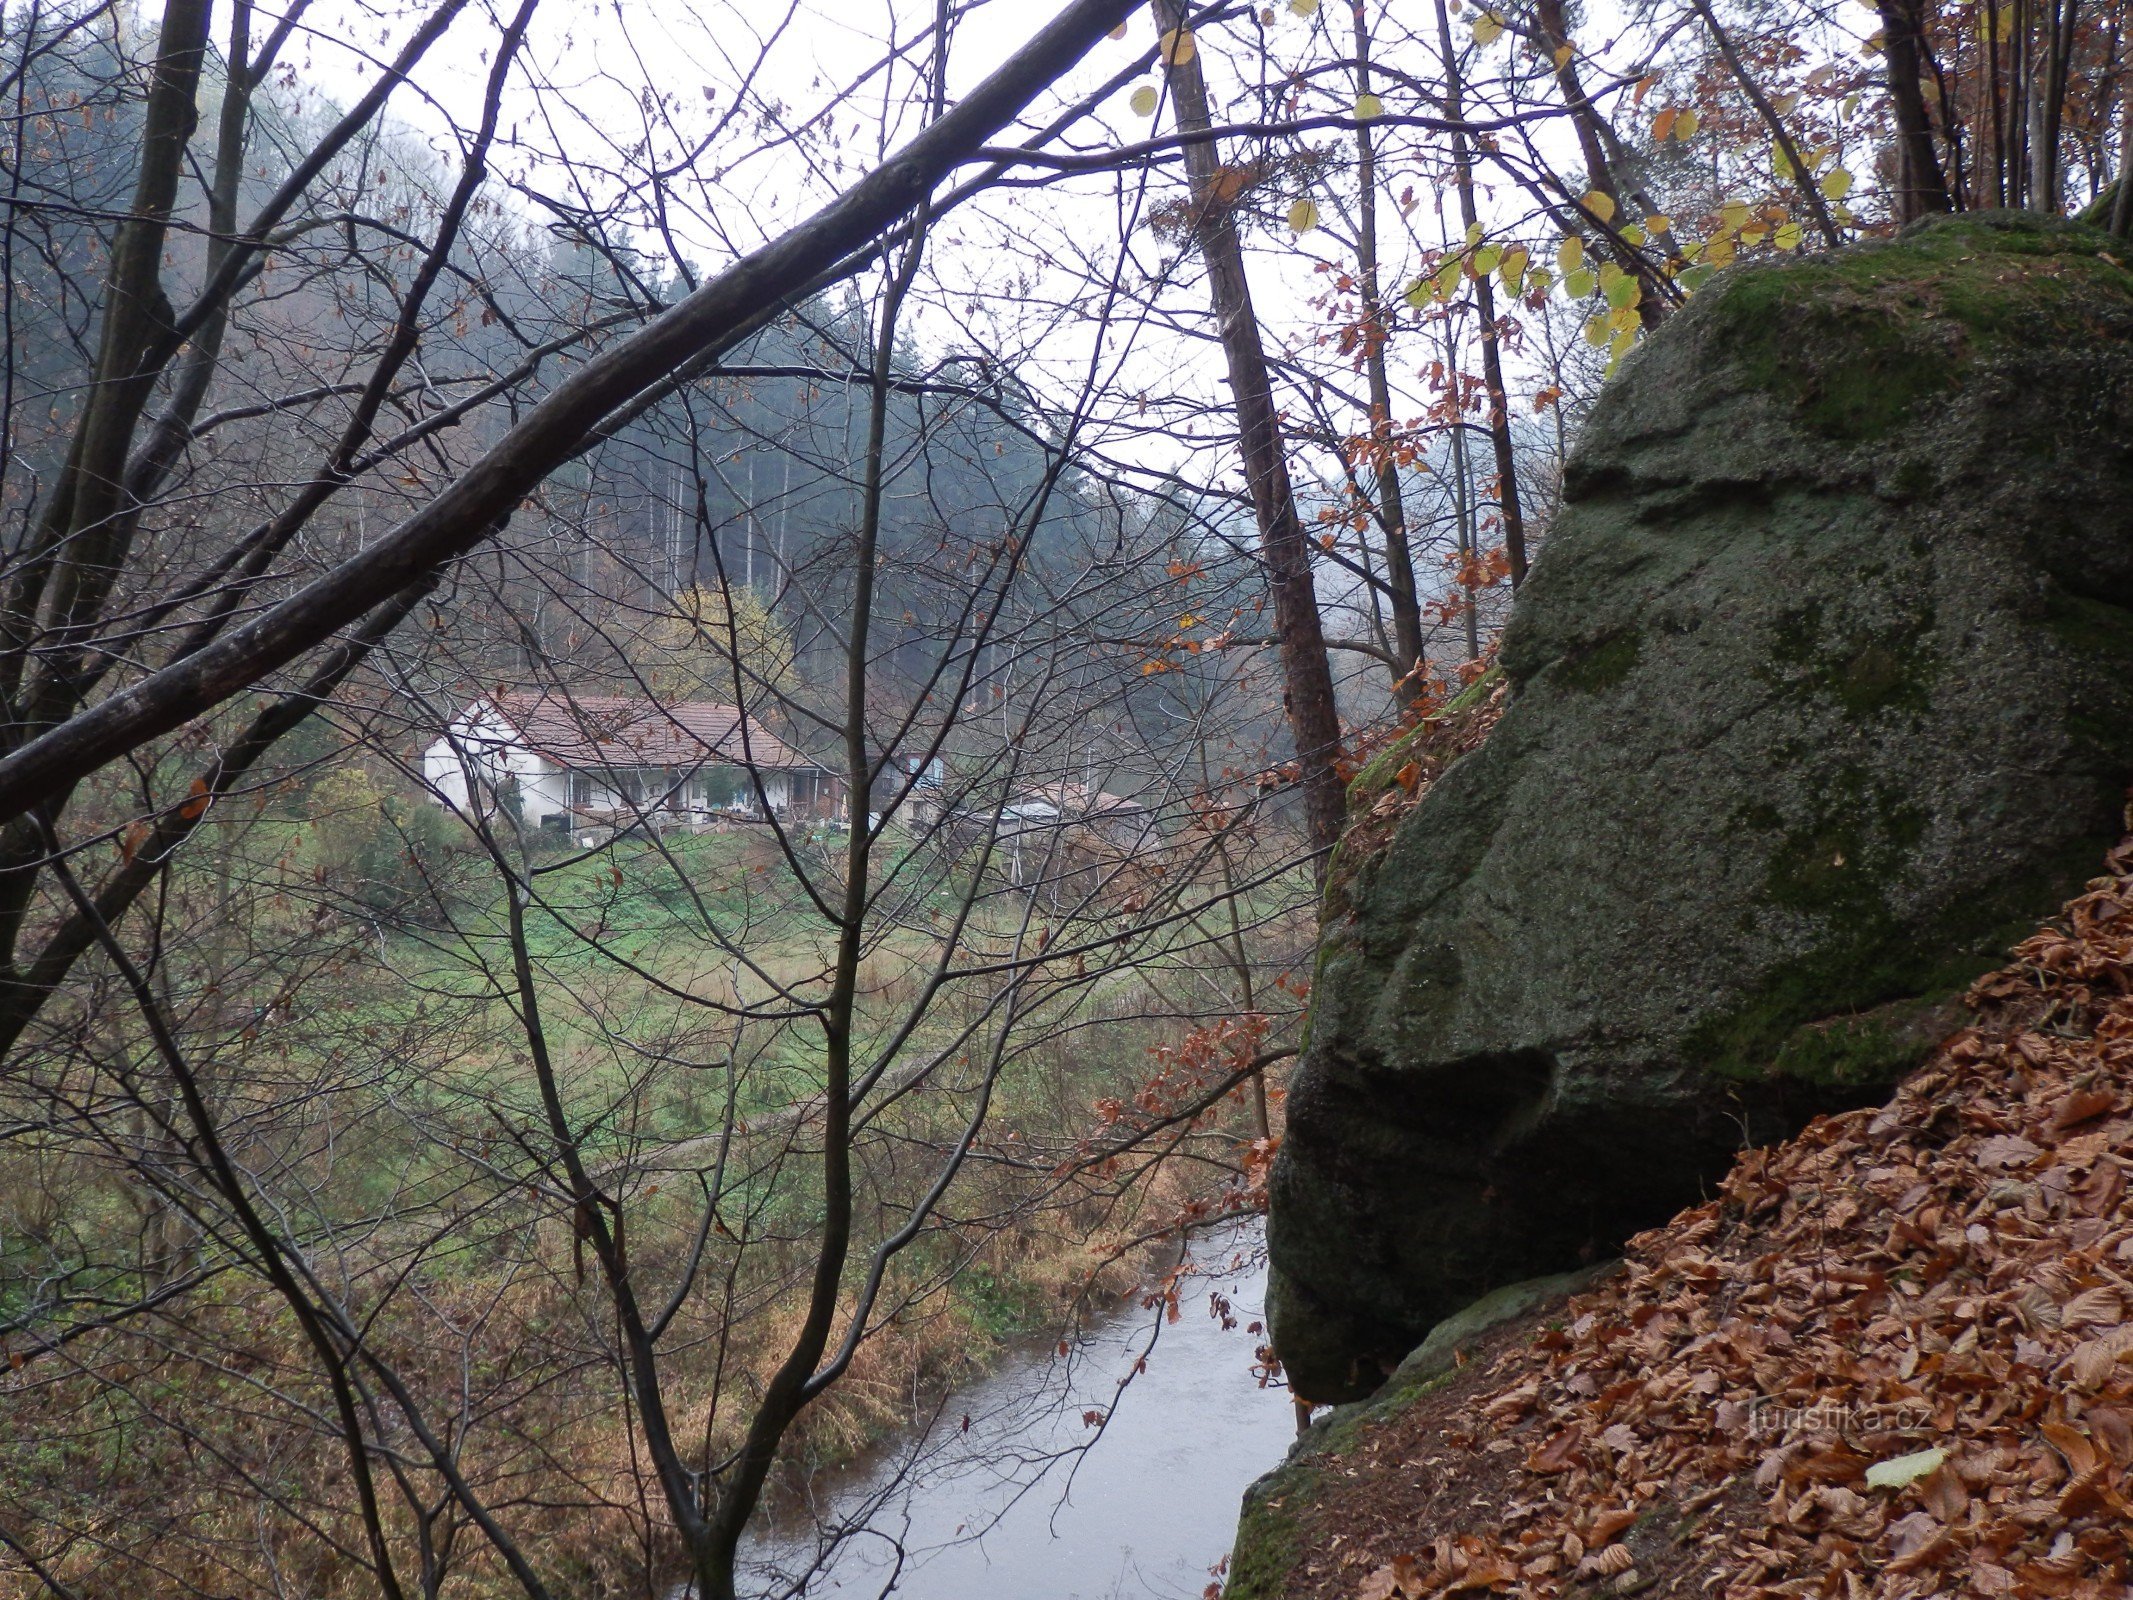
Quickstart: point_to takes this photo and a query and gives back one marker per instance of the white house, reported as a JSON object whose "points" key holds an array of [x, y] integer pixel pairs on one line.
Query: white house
{"points": [[571, 761]]}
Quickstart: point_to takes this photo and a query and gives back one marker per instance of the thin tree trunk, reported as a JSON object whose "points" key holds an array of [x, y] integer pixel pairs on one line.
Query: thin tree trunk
{"points": [[1780, 135], [2059, 23], [1514, 520], [2039, 185], [58, 587], [2122, 199], [1314, 719], [1922, 189], [1595, 140], [1998, 187], [2018, 98], [1463, 510], [1392, 511], [792, 1386]]}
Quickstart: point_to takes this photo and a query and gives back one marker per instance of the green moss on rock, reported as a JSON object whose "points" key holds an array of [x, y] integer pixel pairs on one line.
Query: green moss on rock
{"points": [[1857, 341], [1602, 665], [1269, 1541]]}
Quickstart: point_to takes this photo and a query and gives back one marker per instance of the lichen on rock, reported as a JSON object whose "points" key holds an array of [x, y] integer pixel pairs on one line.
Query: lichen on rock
{"points": [[1819, 695]]}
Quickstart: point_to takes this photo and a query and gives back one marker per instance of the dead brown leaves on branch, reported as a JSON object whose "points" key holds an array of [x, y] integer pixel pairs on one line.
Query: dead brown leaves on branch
{"points": [[1893, 1358]]}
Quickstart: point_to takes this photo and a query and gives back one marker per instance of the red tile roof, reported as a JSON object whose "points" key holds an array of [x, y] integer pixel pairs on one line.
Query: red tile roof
{"points": [[607, 730]]}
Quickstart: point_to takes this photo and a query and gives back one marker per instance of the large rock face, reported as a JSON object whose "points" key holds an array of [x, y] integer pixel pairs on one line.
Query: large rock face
{"points": [[1821, 691]]}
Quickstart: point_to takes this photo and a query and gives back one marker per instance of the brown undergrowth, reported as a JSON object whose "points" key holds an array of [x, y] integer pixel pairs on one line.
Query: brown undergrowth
{"points": [[1893, 1357], [133, 1450]]}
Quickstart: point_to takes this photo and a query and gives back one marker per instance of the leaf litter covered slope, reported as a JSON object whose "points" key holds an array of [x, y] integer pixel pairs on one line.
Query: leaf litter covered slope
{"points": [[1892, 1358]]}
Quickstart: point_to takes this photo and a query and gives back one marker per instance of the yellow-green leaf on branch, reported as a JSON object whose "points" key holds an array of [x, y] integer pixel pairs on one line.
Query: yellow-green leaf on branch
{"points": [[1511, 270]]}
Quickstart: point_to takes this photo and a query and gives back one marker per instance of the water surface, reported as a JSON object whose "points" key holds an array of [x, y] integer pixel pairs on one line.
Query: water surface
{"points": [[1015, 1493]]}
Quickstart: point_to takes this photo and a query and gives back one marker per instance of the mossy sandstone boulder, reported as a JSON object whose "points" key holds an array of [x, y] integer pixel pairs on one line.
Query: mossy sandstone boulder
{"points": [[1821, 692]]}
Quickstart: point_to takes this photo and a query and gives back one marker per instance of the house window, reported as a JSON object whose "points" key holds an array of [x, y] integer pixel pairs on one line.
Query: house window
{"points": [[581, 790]]}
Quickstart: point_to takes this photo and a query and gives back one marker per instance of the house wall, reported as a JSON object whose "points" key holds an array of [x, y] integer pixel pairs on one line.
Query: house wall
{"points": [[441, 772], [601, 794], [481, 754], [547, 791]]}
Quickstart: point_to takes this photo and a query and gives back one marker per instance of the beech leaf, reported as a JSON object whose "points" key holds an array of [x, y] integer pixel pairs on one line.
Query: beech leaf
{"points": [[1900, 1470]]}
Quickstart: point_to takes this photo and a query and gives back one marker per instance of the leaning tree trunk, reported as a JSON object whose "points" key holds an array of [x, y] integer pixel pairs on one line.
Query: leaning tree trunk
{"points": [[1314, 720]]}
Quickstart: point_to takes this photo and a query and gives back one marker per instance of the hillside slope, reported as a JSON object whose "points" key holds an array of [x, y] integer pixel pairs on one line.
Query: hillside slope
{"points": [[1891, 1358]]}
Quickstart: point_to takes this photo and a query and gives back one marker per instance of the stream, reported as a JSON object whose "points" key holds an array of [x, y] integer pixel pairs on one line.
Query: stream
{"points": [[1014, 1494]]}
